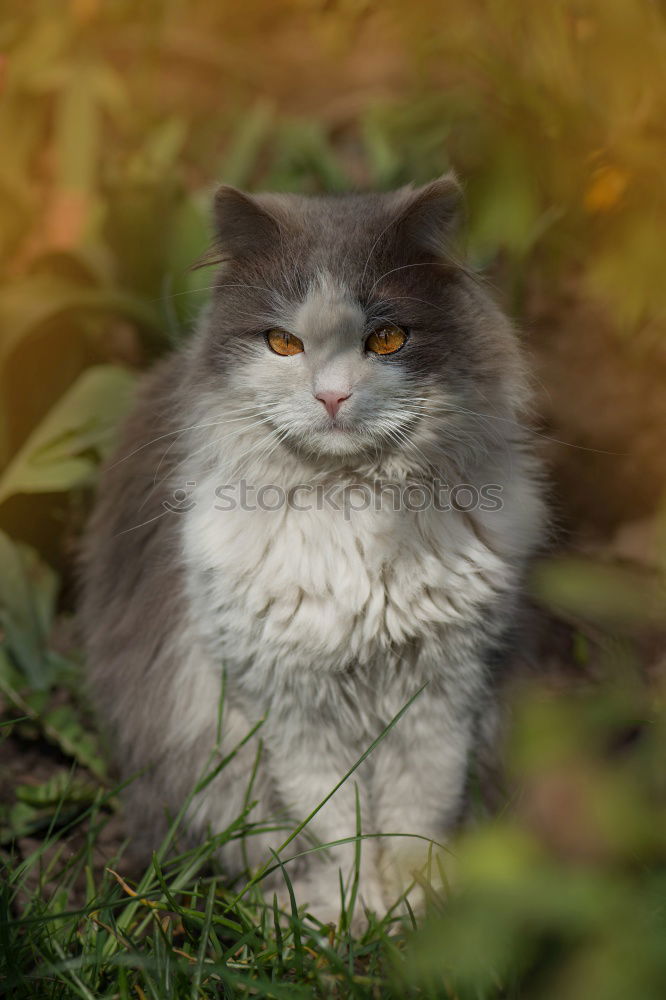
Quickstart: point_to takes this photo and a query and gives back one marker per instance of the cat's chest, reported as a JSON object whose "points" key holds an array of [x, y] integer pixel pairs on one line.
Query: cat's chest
{"points": [[331, 586]]}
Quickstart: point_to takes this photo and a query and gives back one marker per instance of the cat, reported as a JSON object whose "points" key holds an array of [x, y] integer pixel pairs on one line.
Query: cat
{"points": [[256, 531]]}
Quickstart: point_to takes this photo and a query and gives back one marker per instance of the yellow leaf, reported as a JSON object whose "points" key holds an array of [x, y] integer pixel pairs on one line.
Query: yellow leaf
{"points": [[605, 189], [122, 883]]}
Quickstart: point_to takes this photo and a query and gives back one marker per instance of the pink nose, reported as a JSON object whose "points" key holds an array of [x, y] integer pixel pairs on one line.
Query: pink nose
{"points": [[331, 401]]}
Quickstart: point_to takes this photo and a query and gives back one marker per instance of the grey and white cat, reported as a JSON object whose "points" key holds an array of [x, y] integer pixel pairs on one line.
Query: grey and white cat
{"points": [[345, 348]]}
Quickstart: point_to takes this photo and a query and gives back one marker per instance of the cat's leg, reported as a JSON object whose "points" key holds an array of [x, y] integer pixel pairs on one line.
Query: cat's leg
{"points": [[241, 788], [418, 788], [176, 784], [308, 757], [174, 738]]}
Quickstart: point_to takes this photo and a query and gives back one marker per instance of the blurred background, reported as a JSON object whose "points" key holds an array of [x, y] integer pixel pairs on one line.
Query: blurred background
{"points": [[117, 121]]}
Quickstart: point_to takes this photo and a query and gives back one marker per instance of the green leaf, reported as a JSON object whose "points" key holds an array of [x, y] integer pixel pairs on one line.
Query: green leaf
{"points": [[27, 305], [159, 154], [243, 153], [36, 805], [615, 596], [19, 820], [62, 787], [63, 452], [63, 726], [60, 725], [187, 290], [384, 160], [28, 589], [505, 207], [305, 160]]}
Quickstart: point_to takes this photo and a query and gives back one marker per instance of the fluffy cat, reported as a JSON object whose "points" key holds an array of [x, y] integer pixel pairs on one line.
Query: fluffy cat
{"points": [[346, 354]]}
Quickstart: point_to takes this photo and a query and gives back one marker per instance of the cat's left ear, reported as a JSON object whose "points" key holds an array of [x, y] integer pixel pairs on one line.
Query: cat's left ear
{"points": [[429, 216]]}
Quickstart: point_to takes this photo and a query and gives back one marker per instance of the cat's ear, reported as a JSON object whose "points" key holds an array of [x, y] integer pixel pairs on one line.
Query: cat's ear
{"points": [[243, 228], [429, 216]]}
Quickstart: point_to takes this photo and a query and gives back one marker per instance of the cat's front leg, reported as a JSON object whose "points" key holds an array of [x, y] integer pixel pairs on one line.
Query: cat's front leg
{"points": [[308, 757], [418, 788]]}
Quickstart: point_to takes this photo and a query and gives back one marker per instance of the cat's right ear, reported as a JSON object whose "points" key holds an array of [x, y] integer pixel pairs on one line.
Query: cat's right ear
{"points": [[242, 227]]}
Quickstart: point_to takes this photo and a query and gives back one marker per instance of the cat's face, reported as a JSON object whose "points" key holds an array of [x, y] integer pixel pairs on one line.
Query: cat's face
{"points": [[343, 326]]}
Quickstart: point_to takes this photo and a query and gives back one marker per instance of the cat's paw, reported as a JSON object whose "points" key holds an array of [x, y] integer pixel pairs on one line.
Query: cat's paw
{"points": [[310, 896], [319, 896], [409, 874]]}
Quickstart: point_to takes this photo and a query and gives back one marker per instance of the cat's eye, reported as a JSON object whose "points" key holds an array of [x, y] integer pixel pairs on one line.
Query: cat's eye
{"points": [[386, 339], [284, 343]]}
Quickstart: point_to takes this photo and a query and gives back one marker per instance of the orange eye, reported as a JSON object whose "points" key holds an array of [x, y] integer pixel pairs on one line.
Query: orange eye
{"points": [[284, 343], [386, 339]]}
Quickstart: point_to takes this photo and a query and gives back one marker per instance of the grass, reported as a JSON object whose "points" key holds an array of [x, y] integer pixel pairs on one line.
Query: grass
{"points": [[551, 895], [180, 930]]}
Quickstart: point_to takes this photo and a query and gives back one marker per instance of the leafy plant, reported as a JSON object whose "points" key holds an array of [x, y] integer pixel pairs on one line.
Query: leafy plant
{"points": [[30, 669]]}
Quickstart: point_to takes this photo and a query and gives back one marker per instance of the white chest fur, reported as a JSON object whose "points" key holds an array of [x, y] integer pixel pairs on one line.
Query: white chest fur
{"points": [[320, 589]]}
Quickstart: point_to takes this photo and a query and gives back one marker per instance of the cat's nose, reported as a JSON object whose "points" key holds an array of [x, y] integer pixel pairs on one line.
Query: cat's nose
{"points": [[332, 401]]}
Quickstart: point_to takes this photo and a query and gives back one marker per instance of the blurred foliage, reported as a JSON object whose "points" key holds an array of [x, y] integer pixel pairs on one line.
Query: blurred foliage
{"points": [[566, 896], [116, 122]]}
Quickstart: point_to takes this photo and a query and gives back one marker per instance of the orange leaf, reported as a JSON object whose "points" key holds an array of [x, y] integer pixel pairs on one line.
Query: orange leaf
{"points": [[605, 189]]}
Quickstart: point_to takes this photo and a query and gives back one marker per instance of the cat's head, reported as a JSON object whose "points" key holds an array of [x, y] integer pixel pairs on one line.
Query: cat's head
{"points": [[345, 326]]}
